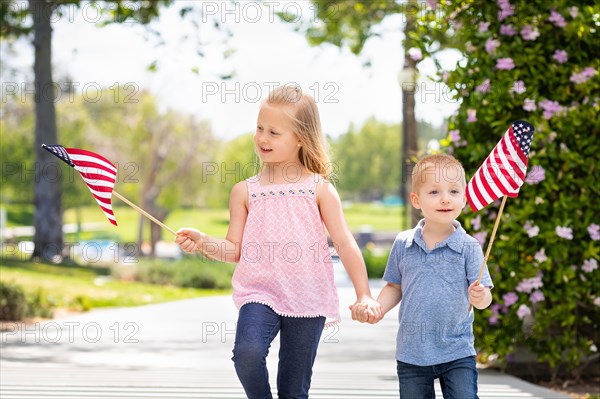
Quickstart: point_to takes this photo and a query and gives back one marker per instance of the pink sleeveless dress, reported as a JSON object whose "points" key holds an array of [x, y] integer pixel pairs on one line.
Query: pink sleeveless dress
{"points": [[285, 261]]}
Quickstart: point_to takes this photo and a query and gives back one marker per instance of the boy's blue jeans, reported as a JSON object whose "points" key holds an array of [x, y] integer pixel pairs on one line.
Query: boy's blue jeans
{"points": [[458, 379], [256, 328]]}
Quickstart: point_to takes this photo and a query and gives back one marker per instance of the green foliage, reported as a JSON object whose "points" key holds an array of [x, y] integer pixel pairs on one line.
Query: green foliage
{"points": [[363, 161], [236, 161], [83, 288], [343, 22], [375, 261], [14, 21], [188, 272], [553, 278], [16, 304], [13, 304]]}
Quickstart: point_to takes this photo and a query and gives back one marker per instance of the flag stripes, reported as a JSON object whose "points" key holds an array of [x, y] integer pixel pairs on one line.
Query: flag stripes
{"points": [[98, 173], [503, 171]]}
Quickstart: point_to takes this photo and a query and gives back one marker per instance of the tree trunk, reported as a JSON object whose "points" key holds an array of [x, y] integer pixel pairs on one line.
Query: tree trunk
{"points": [[409, 121], [48, 221], [155, 229]]}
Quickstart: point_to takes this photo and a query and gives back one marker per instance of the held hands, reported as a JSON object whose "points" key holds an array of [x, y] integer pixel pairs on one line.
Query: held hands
{"points": [[367, 310], [189, 240]]}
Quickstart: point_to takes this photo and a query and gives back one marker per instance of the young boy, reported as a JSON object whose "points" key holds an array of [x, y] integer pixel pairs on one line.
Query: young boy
{"points": [[433, 268]]}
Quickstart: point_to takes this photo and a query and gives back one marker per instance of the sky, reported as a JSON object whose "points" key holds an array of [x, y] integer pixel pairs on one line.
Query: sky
{"points": [[266, 52]]}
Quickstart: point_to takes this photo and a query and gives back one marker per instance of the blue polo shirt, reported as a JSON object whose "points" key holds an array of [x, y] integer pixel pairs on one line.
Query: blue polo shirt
{"points": [[435, 325]]}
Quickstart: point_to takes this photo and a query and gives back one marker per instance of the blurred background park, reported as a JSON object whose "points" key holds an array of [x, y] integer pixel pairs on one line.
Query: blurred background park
{"points": [[169, 92]]}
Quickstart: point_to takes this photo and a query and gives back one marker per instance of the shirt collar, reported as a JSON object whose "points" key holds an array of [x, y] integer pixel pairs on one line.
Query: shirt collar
{"points": [[455, 241]]}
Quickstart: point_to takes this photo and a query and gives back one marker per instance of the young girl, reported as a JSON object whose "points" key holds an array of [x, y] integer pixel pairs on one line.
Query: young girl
{"points": [[283, 282]]}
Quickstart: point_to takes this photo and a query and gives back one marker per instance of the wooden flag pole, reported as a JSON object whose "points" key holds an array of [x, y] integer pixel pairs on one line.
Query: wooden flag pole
{"points": [[143, 212], [489, 247]]}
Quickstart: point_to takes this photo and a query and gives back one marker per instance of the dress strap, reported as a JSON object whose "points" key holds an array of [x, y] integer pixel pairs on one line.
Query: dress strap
{"points": [[253, 185]]}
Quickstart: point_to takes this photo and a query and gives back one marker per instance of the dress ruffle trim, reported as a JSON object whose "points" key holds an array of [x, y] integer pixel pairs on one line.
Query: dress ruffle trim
{"points": [[336, 319]]}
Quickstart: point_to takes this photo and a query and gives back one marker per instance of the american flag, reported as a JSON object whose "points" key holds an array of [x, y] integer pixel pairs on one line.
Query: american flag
{"points": [[503, 171], [98, 173]]}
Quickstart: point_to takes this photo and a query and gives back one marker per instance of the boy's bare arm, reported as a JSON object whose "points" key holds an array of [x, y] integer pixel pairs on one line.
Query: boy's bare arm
{"points": [[389, 296]]}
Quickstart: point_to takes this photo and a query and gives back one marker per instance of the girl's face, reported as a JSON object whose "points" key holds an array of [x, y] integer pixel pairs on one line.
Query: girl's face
{"points": [[274, 139]]}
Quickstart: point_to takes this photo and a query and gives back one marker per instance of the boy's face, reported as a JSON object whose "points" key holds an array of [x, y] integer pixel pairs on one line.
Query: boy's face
{"points": [[441, 193]]}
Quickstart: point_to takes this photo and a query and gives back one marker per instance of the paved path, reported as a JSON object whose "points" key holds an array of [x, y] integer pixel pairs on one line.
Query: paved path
{"points": [[183, 349]]}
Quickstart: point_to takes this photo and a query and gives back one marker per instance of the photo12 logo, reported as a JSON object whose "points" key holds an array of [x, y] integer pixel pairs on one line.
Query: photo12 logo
{"points": [[54, 332], [254, 92]]}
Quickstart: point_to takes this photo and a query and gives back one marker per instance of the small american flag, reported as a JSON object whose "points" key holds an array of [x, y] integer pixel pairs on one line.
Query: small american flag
{"points": [[503, 171], [98, 173]]}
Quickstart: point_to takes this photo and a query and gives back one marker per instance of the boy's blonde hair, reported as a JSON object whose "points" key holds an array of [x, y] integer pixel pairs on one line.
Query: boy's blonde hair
{"points": [[450, 167], [307, 126]]}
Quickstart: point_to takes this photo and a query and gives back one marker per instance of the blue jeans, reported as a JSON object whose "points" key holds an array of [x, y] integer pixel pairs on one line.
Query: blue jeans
{"points": [[458, 379], [257, 326]]}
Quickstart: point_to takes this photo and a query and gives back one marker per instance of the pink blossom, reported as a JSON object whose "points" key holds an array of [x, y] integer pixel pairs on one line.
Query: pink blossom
{"points": [[432, 4], [507, 30], [491, 45], [481, 236], [484, 87], [483, 26], [536, 174], [540, 256], [510, 299], [560, 56], [531, 229], [529, 105], [415, 53], [594, 231], [476, 222], [529, 33], [536, 296], [597, 301], [493, 320], [557, 19], [505, 63], [589, 265], [506, 9], [573, 11], [471, 115], [498, 308], [519, 87], [564, 232], [529, 284], [582, 76], [550, 108], [523, 311]]}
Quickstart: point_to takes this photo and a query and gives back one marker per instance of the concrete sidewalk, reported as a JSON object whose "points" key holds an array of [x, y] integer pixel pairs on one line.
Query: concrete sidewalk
{"points": [[183, 349]]}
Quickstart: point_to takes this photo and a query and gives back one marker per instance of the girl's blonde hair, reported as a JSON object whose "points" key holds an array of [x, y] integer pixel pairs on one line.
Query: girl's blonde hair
{"points": [[314, 154]]}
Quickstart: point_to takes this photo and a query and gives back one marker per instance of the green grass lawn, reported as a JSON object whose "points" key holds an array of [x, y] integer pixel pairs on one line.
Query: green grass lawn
{"points": [[212, 221], [80, 288], [215, 221]]}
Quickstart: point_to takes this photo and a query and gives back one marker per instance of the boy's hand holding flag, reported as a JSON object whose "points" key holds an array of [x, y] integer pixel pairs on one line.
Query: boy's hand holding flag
{"points": [[502, 174]]}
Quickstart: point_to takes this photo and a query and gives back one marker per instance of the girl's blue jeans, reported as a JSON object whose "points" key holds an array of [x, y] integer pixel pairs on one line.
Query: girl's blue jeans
{"points": [[458, 379], [299, 338]]}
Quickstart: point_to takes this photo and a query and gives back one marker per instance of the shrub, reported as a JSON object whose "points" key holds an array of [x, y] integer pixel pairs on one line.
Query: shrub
{"points": [[16, 304], [532, 60], [188, 272], [13, 302], [375, 262]]}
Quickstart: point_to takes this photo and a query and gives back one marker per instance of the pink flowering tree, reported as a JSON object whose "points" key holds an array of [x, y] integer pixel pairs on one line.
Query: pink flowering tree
{"points": [[534, 60]]}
